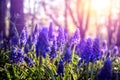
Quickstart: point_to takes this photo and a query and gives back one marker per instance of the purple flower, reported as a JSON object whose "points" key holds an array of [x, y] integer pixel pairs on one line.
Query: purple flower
{"points": [[29, 61], [16, 56], [14, 38], [106, 71], [104, 45], [67, 54], [35, 35], [60, 69], [115, 50], [1, 40], [66, 35], [23, 37], [53, 52], [89, 42], [108, 54], [50, 32], [26, 48], [76, 36], [96, 49], [80, 47], [29, 41], [13, 55], [36, 30], [20, 56], [60, 37], [86, 55], [42, 45], [28, 45], [92, 58], [102, 53]]}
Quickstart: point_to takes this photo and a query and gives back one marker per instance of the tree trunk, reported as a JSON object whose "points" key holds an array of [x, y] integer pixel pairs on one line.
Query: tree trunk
{"points": [[17, 15], [118, 36], [82, 34], [109, 35], [2, 16], [65, 15]]}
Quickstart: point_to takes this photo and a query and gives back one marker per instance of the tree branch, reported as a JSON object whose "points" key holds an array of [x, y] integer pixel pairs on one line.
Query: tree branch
{"points": [[88, 17], [65, 14], [72, 16], [79, 16], [50, 15]]}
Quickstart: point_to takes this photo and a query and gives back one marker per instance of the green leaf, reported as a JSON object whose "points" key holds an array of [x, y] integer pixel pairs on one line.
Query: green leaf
{"points": [[49, 71]]}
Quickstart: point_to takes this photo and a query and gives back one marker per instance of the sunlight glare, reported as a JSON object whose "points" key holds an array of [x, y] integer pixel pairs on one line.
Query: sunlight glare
{"points": [[100, 5]]}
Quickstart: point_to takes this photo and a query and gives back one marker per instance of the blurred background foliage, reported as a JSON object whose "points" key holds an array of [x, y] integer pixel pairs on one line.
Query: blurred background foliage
{"points": [[94, 18]]}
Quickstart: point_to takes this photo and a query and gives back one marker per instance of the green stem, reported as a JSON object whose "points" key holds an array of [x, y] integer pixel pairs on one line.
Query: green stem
{"points": [[92, 71], [40, 59], [87, 71], [73, 53]]}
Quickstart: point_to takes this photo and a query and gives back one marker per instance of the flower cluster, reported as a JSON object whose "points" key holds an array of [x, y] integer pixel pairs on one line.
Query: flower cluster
{"points": [[60, 70], [60, 47], [16, 56], [106, 71]]}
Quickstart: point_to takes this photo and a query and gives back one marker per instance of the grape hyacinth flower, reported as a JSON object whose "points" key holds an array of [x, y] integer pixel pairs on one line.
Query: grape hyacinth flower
{"points": [[60, 37], [76, 37], [28, 45], [29, 41], [13, 55], [23, 38], [106, 71], [104, 46], [26, 48], [16, 56], [42, 45], [80, 47], [101, 54], [53, 52], [66, 35], [86, 55], [1, 39], [60, 69], [108, 54], [14, 40], [67, 53], [92, 58], [28, 61], [89, 42], [35, 35], [14, 37], [115, 51], [20, 56], [96, 49], [50, 32]]}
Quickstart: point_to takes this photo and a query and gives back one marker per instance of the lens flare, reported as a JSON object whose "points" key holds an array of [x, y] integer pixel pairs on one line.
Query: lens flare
{"points": [[100, 5]]}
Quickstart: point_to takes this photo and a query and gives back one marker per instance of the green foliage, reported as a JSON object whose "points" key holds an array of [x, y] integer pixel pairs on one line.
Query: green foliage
{"points": [[48, 69]]}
